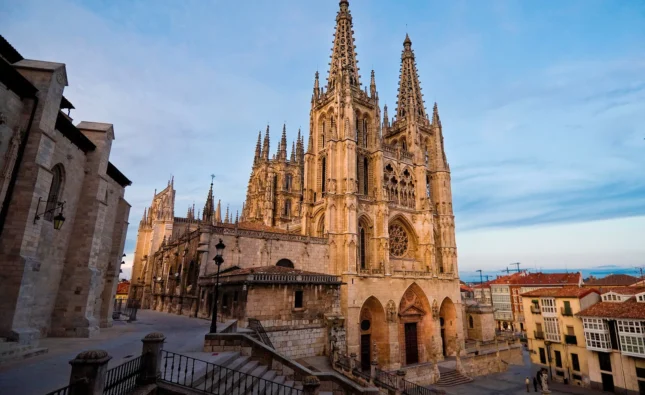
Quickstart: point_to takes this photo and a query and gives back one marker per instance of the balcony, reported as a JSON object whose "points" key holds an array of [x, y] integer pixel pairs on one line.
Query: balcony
{"points": [[566, 312], [570, 339], [535, 309], [538, 334]]}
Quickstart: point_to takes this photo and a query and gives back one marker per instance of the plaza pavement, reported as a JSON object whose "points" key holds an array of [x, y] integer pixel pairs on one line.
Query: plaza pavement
{"points": [[48, 372], [511, 382]]}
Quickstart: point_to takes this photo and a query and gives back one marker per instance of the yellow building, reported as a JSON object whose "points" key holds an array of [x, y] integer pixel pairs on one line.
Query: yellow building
{"points": [[614, 331], [555, 335]]}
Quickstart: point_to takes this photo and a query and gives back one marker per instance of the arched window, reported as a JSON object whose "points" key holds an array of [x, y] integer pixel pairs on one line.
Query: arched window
{"points": [[365, 177], [285, 263], [470, 322], [55, 191], [324, 174], [361, 249]]}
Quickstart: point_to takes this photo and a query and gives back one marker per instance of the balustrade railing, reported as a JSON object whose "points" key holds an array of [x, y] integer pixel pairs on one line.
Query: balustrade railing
{"points": [[123, 379], [215, 379], [256, 325], [386, 380]]}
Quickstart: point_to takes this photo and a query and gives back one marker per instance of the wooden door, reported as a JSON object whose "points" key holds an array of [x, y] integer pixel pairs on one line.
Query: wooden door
{"points": [[411, 345], [365, 352]]}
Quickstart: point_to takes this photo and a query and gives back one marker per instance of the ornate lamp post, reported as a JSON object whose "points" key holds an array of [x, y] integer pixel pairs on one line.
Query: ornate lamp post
{"points": [[219, 250]]}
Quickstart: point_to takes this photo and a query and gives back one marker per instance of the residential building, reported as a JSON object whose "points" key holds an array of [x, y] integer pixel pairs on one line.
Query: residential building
{"points": [[555, 334], [614, 331], [63, 215], [612, 280]]}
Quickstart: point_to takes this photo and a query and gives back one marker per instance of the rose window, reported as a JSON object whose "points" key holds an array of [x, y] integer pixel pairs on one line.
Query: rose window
{"points": [[398, 240]]}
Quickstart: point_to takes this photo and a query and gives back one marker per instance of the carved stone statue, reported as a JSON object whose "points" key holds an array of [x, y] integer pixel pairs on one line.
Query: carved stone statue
{"points": [[391, 311]]}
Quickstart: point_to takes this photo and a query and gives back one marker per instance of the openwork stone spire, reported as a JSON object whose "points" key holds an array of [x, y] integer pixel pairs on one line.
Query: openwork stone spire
{"points": [[344, 51], [409, 100]]}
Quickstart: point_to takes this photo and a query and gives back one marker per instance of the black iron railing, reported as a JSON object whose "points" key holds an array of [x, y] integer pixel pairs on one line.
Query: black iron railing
{"points": [[256, 325], [124, 378], [215, 379], [386, 380], [410, 388], [69, 389]]}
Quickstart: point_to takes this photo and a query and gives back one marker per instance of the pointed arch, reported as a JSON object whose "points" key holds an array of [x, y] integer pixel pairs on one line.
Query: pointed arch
{"points": [[373, 329], [415, 326], [448, 323]]}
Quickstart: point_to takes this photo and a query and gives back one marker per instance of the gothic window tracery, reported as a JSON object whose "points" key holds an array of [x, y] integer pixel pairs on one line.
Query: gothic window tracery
{"points": [[399, 240]]}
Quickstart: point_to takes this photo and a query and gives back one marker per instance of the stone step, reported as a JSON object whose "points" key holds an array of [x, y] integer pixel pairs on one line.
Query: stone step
{"points": [[28, 353]]}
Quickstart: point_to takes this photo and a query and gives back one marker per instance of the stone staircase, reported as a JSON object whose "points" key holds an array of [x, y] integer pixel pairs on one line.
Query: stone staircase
{"points": [[12, 351], [449, 378], [241, 375]]}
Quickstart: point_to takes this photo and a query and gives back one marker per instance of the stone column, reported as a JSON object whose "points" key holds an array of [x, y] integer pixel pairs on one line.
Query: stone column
{"points": [[310, 385], [89, 369], [151, 351]]}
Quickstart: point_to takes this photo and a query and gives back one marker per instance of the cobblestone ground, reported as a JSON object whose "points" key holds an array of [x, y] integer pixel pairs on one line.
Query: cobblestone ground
{"points": [[44, 373], [511, 382]]}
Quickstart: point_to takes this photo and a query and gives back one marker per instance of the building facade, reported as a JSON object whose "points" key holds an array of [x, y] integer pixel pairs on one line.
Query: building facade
{"points": [[368, 201], [555, 335], [63, 218], [614, 331]]}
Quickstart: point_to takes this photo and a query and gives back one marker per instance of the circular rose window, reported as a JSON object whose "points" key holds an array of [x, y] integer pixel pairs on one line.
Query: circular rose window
{"points": [[398, 240]]}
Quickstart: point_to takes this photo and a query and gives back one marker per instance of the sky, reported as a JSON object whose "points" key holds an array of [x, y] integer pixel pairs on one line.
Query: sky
{"points": [[541, 104]]}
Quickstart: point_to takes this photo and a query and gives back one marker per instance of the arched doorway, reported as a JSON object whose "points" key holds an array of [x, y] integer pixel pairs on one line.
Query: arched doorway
{"points": [[415, 326], [448, 322], [285, 263], [373, 330]]}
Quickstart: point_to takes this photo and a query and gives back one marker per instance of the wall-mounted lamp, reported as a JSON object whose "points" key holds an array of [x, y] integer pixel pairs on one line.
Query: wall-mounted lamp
{"points": [[58, 219]]}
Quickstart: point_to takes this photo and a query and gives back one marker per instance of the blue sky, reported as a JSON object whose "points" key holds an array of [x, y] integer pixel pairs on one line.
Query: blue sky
{"points": [[541, 104]]}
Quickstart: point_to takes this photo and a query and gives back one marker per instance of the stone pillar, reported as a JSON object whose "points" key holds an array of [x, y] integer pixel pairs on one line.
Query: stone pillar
{"points": [[151, 351], [89, 369], [310, 385], [400, 375]]}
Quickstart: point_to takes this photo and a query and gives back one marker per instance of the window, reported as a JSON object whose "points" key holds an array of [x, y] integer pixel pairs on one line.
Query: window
{"points": [[558, 359], [604, 360], [575, 362], [55, 192], [471, 324], [298, 300], [552, 331], [542, 356]]}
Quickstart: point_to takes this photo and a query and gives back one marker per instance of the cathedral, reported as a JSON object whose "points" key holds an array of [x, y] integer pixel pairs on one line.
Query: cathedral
{"points": [[346, 241]]}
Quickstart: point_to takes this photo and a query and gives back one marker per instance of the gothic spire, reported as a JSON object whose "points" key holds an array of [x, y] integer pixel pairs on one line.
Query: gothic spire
{"points": [[218, 212], [207, 214], [409, 99], [344, 51], [282, 151], [265, 146], [258, 148]]}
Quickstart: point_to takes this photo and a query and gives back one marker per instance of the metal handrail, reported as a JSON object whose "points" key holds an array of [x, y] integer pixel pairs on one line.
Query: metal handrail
{"points": [[211, 378], [256, 325]]}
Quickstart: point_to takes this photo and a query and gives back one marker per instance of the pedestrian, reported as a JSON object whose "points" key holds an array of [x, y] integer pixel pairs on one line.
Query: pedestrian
{"points": [[535, 383], [528, 384]]}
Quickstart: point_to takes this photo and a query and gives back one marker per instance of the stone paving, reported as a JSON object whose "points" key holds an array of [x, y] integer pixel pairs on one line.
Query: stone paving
{"points": [[39, 375], [511, 382]]}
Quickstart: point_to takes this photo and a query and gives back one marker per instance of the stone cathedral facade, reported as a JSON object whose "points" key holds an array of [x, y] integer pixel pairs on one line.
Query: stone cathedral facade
{"points": [[347, 242]]}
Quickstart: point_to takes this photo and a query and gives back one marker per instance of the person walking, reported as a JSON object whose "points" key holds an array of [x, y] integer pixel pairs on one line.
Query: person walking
{"points": [[528, 384], [535, 383]]}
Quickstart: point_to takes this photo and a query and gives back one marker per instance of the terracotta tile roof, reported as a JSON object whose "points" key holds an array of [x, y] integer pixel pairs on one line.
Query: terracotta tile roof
{"points": [[627, 309], [123, 288], [614, 279], [621, 290], [268, 270], [540, 279], [564, 292]]}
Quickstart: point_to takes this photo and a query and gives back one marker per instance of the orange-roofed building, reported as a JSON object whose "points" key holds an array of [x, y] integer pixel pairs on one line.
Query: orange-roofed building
{"points": [[555, 335]]}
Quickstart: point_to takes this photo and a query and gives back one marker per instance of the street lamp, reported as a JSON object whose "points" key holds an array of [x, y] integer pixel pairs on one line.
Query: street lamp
{"points": [[219, 250]]}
